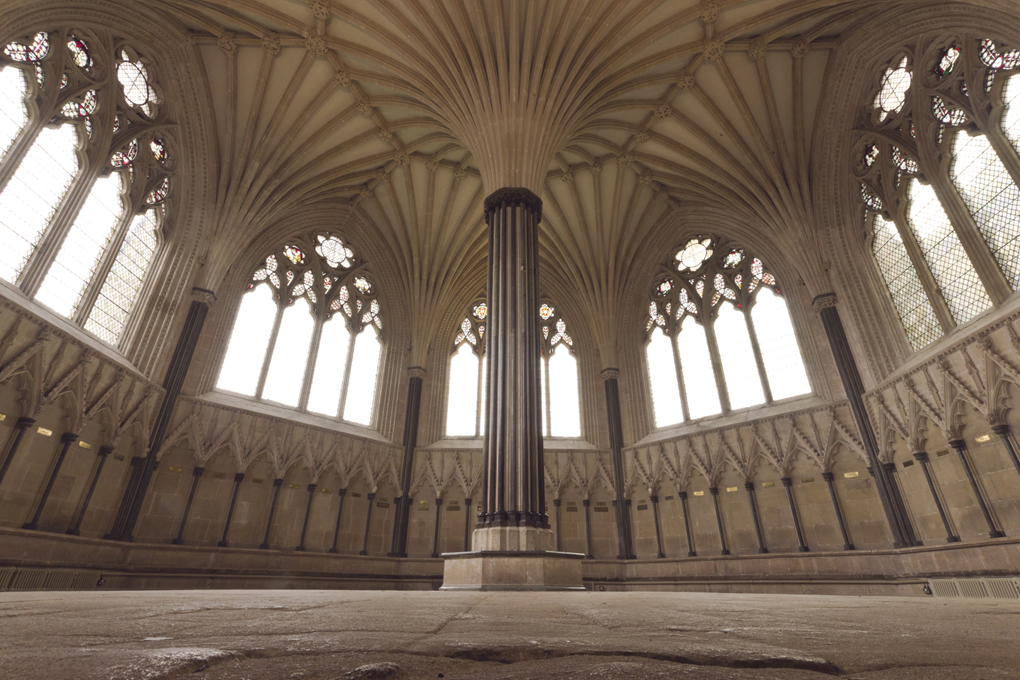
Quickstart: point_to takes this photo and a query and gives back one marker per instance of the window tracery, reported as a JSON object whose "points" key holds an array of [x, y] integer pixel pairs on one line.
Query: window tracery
{"points": [[308, 331], [465, 413], [94, 124], [938, 169], [719, 334]]}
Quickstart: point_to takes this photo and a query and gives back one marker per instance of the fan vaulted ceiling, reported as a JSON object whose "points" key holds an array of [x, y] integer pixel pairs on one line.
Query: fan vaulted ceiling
{"points": [[615, 111]]}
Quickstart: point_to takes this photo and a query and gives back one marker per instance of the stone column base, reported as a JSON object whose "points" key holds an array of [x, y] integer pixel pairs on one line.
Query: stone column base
{"points": [[516, 571], [512, 539]]}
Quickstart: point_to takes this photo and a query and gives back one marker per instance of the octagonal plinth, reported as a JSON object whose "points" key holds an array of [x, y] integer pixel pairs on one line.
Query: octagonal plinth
{"points": [[516, 571]]}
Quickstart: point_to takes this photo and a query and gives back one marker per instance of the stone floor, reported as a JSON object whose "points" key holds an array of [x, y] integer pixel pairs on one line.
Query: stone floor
{"points": [[322, 635]]}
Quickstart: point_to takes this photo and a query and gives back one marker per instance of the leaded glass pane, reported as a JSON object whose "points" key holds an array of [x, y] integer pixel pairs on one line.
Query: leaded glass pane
{"points": [[248, 342], [83, 248], [330, 364], [992, 197], [945, 255], [290, 355], [364, 368], [124, 282], [739, 367], [462, 404], [13, 115], [662, 377], [564, 397], [483, 417], [699, 378], [33, 194], [780, 353], [911, 302]]}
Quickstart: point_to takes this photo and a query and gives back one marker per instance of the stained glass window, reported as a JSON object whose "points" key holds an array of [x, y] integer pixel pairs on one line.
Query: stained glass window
{"points": [[84, 254], [564, 396], [314, 321], [713, 310], [463, 401]]}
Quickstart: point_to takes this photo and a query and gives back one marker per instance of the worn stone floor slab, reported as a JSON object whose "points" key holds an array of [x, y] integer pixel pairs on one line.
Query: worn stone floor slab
{"points": [[322, 635]]}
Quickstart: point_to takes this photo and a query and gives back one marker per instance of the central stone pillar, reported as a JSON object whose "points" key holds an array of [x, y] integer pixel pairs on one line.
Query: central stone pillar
{"points": [[512, 545]]}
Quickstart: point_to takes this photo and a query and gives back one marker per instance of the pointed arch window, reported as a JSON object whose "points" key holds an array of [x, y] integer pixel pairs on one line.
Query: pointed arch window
{"points": [[307, 333], [719, 335], [465, 405], [938, 165], [84, 177]]}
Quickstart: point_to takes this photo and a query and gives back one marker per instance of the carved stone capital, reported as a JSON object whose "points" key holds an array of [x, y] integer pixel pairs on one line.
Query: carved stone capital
{"points": [[206, 297], [416, 372], [824, 301], [610, 374], [512, 196]]}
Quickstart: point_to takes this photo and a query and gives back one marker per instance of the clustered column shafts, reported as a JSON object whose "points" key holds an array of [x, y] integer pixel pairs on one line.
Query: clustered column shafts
{"points": [[238, 478], [368, 523], [66, 440], [658, 530], [339, 514], [922, 458], [138, 484], [101, 456], [788, 485], [895, 513], [412, 412], [15, 443], [1004, 433], [961, 450], [587, 528], [894, 487], [749, 487], [714, 490], [624, 533], [308, 513], [691, 551], [513, 491], [196, 475], [829, 478], [277, 483]]}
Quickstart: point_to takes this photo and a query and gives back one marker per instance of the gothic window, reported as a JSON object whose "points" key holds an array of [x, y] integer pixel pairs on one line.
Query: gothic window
{"points": [[720, 336], [307, 332], [81, 111], [938, 168], [465, 411]]}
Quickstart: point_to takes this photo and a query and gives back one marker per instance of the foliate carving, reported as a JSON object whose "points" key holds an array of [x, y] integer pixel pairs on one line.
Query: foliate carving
{"points": [[625, 160], [513, 196], [385, 135], [662, 110], [756, 50], [206, 297], [365, 107], [459, 174], [432, 164], [342, 78], [610, 374], [567, 177], [596, 168], [320, 9], [316, 44], [227, 43], [709, 10], [800, 48], [713, 50], [271, 43], [402, 159], [641, 137], [416, 372], [645, 178], [685, 80], [824, 301]]}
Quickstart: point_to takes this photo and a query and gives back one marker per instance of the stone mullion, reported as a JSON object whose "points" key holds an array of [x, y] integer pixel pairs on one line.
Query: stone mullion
{"points": [[196, 475], [922, 458], [270, 349], [108, 258], [102, 455], [923, 271], [66, 440], [936, 172], [717, 367], [348, 362], [691, 551], [11, 161], [310, 361], [674, 341], [758, 359]]}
